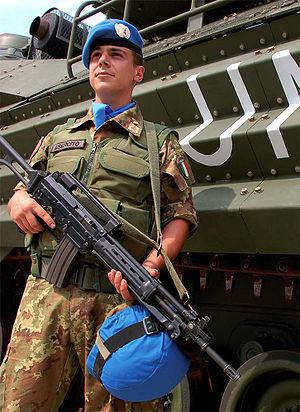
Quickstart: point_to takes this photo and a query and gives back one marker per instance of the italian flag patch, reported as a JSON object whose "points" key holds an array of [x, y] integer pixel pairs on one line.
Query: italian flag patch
{"points": [[183, 167]]}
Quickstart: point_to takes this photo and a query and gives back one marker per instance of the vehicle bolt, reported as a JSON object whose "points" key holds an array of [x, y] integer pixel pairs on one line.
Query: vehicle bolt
{"points": [[262, 41], [284, 35], [235, 109], [163, 78], [271, 48], [204, 58], [273, 172], [10, 75], [18, 92], [4, 71], [222, 52], [228, 176], [208, 178], [16, 117], [244, 191], [250, 173], [257, 52], [196, 117], [42, 115], [31, 112], [40, 109], [86, 243], [68, 100], [251, 119], [256, 105], [242, 46], [24, 115], [34, 65], [47, 114], [173, 76], [79, 97], [216, 113], [279, 100], [154, 72], [258, 189], [265, 116], [179, 120], [19, 65], [49, 106], [170, 68], [187, 63], [297, 169]]}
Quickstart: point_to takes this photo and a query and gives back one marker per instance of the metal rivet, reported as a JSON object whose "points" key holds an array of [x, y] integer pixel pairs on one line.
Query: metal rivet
{"points": [[79, 97], [58, 103], [262, 41], [66, 76], [235, 109], [250, 173], [273, 172], [204, 58], [34, 65], [163, 78], [244, 191], [187, 63], [284, 35], [179, 120], [216, 113], [42, 115], [170, 68], [24, 115], [257, 52], [297, 169], [258, 189], [242, 46], [265, 116], [208, 178], [16, 117], [256, 105], [40, 109], [18, 92], [154, 72], [279, 100], [31, 112], [251, 119], [10, 75], [19, 65], [173, 76], [222, 52], [68, 100], [196, 117], [4, 71], [228, 176]]}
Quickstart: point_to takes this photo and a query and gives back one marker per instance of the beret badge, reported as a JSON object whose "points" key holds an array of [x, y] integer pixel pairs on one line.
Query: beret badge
{"points": [[122, 30]]}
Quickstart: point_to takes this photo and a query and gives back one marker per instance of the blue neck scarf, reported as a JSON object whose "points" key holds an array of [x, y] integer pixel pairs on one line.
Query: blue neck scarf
{"points": [[103, 112]]}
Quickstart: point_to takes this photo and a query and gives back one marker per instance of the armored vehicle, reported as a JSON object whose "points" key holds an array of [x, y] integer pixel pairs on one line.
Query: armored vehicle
{"points": [[225, 74]]}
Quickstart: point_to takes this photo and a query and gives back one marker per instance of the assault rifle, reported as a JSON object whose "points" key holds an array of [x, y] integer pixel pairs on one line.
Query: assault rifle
{"points": [[83, 233]]}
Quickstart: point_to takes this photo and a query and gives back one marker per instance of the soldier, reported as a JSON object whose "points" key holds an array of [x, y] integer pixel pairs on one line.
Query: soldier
{"points": [[56, 327]]}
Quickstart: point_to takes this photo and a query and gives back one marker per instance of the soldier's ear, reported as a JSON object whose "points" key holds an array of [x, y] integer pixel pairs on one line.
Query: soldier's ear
{"points": [[139, 73]]}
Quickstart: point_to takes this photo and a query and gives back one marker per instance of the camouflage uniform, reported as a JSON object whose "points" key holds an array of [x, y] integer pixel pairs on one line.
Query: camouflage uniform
{"points": [[56, 327]]}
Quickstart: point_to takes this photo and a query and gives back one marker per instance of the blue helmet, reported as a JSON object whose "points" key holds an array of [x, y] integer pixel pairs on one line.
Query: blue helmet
{"points": [[134, 359], [112, 32]]}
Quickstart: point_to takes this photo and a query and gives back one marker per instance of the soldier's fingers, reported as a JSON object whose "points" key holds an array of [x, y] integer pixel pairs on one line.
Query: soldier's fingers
{"points": [[35, 225], [118, 280], [39, 211], [126, 295], [111, 276]]}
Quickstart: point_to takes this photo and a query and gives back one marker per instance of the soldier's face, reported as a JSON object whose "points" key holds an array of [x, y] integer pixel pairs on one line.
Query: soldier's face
{"points": [[113, 74]]}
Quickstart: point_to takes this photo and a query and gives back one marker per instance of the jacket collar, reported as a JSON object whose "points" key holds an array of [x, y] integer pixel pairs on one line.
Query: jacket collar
{"points": [[131, 120]]}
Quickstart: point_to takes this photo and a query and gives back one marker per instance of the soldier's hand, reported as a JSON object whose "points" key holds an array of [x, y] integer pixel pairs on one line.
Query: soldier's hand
{"points": [[24, 210], [120, 284]]}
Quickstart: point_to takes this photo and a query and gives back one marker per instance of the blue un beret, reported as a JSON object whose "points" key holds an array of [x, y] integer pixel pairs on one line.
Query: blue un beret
{"points": [[112, 32]]}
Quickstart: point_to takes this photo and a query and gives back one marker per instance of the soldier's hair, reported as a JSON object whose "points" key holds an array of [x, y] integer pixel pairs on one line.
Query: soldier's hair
{"points": [[137, 59]]}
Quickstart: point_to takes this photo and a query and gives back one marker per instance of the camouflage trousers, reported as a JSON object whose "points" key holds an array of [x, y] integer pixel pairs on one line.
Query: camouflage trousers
{"points": [[52, 335]]}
